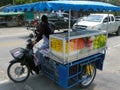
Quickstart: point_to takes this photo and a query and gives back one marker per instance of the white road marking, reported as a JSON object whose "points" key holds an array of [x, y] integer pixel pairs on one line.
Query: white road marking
{"points": [[111, 47], [20, 34], [117, 45], [4, 81], [4, 58], [12, 43], [108, 48]]}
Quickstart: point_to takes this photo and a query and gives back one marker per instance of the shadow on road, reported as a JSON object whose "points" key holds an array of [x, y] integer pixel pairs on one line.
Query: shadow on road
{"points": [[112, 35], [38, 82]]}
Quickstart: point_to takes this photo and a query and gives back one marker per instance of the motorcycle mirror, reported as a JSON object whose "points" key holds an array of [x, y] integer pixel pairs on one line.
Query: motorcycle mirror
{"points": [[31, 35]]}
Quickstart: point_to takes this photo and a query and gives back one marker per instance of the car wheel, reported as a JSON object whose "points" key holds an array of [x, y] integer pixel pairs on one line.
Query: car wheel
{"points": [[118, 32]]}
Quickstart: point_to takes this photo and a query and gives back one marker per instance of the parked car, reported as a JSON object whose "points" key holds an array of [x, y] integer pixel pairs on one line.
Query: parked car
{"points": [[61, 20], [117, 18], [106, 22]]}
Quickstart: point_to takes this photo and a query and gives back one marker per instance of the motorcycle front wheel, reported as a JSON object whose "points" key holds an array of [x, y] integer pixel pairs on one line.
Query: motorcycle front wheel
{"points": [[17, 72]]}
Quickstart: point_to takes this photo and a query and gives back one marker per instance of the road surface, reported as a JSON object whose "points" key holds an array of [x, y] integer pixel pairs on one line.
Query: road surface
{"points": [[108, 79]]}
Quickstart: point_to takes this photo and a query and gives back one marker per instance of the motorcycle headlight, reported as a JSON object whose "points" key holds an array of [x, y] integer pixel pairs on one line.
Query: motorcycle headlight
{"points": [[17, 52]]}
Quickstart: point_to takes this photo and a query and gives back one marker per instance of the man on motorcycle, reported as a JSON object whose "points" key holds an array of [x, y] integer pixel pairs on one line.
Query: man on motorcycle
{"points": [[44, 30]]}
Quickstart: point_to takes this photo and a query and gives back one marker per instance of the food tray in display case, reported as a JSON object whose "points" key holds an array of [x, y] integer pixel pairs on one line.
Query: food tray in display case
{"points": [[79, 44]]}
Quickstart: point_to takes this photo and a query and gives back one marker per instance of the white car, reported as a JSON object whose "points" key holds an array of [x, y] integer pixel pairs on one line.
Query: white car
{"points": [[106, 22]]}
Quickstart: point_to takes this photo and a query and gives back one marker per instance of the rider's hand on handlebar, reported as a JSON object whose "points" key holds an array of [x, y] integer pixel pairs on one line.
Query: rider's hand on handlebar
{"points": [[34, 42]]}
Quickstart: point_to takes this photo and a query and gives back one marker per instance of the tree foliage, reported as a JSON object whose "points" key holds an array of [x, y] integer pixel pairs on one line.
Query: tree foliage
{"points": [[16, 2], [24, 1], [5, 2], [115, 2]]}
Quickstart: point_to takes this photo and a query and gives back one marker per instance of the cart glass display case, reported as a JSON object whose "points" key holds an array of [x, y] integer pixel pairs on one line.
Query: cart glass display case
{"points": [[80, 44]]}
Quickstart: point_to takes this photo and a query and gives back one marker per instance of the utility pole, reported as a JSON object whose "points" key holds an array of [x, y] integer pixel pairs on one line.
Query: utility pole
{"points": [[13, 2]]}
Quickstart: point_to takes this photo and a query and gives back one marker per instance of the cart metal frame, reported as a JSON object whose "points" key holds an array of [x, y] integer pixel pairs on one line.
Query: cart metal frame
{"points": [[67, 75]]}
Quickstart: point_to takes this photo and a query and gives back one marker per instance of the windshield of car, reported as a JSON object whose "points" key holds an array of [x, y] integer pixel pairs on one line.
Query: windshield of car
{"points": [[42, 15], [57, 15], [60, 15], [94, 18], [51, 15]]}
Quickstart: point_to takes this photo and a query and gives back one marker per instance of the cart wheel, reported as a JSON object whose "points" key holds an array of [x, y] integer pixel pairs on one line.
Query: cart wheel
{"points": [[88, 74]]}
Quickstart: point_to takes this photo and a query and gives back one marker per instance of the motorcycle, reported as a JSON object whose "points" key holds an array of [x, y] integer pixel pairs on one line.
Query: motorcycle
{"points": [[24, 63]]}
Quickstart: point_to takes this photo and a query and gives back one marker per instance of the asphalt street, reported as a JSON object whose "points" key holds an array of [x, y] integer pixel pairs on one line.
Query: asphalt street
{"points": [[108, 79], [16, 31]]}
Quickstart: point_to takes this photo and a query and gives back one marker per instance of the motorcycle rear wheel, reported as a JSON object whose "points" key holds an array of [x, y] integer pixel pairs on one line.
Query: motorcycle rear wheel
{"points": [[17, 72], [88, 76]]}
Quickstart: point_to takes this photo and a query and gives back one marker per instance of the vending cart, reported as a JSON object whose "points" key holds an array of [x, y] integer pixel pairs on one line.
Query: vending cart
{"points": [[74, 60]]}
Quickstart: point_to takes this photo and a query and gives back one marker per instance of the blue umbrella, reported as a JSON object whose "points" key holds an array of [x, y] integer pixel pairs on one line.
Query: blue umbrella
{"points": [[66, 5]]}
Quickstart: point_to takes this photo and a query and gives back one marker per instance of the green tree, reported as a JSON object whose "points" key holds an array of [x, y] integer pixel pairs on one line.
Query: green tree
{"points": [[5, 2], [24, 1], [115, 2]]}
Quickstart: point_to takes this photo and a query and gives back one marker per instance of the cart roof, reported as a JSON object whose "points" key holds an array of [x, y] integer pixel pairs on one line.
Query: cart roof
{"points": [[65, 5]]}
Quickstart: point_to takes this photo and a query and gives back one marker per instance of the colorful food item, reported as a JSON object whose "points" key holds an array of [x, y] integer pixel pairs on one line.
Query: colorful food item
{"points": [[89, 43], [99, 41], [81, 43], [75, 44], [95, 42], [56, 44], [102, 40]]}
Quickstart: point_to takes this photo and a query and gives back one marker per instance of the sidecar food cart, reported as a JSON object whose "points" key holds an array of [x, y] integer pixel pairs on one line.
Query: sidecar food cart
{"points": [[72, 61], [73, 56]]}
